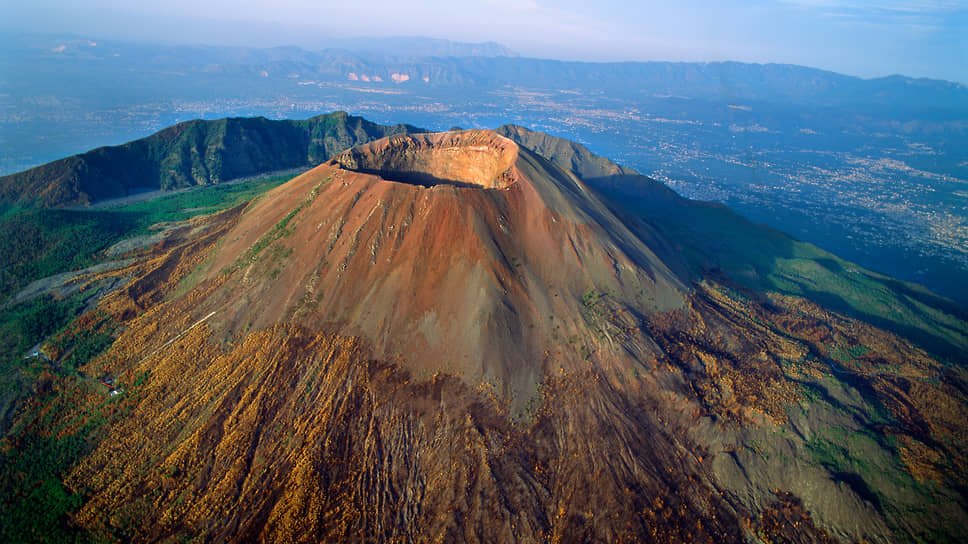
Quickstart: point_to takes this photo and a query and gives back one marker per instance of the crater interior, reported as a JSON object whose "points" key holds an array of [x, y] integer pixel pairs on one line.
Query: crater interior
{"points": [[474, 158]]}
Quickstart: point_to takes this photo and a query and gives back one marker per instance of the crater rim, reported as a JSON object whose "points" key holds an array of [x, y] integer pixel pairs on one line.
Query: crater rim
{"points": [[472, 159]]}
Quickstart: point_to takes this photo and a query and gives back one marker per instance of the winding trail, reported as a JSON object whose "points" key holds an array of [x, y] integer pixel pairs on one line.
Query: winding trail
{"points": [[839, 370], [177, 336], [147, 194]]}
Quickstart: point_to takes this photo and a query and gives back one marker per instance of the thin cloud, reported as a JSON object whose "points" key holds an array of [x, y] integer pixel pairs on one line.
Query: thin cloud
{"points": [[514, 5], [897, 6], [913, 17], [902, 10]]}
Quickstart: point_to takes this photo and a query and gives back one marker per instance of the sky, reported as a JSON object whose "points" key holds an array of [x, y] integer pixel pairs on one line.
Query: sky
{"points": [[917, 38]]}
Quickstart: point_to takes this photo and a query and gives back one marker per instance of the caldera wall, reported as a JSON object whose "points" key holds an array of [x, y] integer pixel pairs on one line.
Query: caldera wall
{"points": [[472, 158]]}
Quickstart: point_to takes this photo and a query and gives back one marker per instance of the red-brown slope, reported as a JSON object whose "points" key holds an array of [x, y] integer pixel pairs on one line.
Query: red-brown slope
{"points": [[466, 254]]}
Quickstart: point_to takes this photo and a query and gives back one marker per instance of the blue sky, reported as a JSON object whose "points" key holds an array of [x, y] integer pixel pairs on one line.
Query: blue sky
{"points": [[921, 38]]}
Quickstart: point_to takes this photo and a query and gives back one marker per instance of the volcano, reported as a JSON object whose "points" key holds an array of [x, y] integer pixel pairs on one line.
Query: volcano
{"points": [[457, 252], [456, 337]]}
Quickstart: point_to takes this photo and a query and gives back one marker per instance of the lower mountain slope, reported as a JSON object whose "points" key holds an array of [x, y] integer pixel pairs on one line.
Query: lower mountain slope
{"points": [[450, 337]]}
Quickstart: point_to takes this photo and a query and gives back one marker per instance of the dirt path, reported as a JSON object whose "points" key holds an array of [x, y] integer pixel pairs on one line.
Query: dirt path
{"points": [[839, 370], [179, 335]]}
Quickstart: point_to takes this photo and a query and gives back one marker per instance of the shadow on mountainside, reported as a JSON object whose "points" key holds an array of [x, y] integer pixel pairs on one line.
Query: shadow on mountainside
{"points": [[714, 240], [420, 179]]}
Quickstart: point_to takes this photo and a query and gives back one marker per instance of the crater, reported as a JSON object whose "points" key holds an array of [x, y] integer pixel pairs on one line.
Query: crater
{"points": [[471, 158]]}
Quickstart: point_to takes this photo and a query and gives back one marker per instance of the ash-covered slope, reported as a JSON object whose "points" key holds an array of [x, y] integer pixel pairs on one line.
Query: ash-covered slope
{"points": [[457, 252], [446, 337]]}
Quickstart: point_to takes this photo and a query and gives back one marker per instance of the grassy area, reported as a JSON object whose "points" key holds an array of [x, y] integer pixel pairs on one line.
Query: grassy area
{"points": [[869, 465], [200, 201], [279, 230], [38, 243]]}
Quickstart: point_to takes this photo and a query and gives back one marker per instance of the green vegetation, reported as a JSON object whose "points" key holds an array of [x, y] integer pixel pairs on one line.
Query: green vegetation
{"points": [[869, 464], [83, 345], [35, 458], [55, 427], [847, 355], [277, 231], [200, 201], [24, 326], [38, 243], [596, 312]]}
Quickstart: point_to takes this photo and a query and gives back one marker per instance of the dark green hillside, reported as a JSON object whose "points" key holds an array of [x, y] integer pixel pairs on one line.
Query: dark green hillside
{"points": [[190, 153]]}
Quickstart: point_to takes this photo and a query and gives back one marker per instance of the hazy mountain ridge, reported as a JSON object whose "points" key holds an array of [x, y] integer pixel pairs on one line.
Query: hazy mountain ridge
{"points": [[439, 63], [415, 47]]}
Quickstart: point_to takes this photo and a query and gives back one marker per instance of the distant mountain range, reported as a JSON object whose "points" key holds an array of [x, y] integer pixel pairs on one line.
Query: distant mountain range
{"points": [[416, 47], [422, 61]]}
